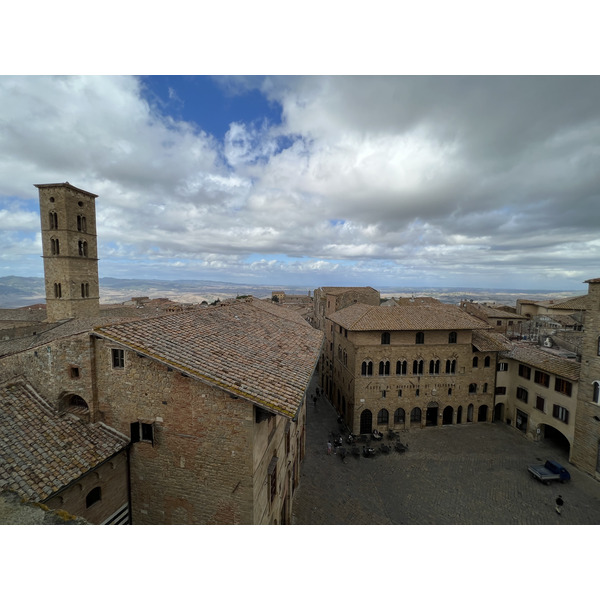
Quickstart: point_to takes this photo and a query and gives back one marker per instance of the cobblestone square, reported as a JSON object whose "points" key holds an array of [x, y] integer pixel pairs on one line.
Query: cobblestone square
{"points": [[471, 474]]}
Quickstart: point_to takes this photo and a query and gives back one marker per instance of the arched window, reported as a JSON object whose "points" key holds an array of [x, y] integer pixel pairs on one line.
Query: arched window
{"points": [[383, 417], [401, 366], [399, 393], [486, 362], [53, 220], [420, 338], [434, 367], [417, 367], [57, 290], [475, 362], [450, 366], [340, 352], [82, 248], [399, 416], [415, 415], [367, 368], [449, 391], [94, 496], [385, 337], [81, 224], [596, 392], [384, 367], [472, 388], [54, 247], [452, 337]]}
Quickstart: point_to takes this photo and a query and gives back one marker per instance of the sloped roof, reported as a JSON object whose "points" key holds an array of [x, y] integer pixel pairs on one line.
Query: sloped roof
{"points": [[334, 291], [497, 313], [40, 452], [253, 349], [416, 317], [490, 341], [575, 303], [534, 357]]}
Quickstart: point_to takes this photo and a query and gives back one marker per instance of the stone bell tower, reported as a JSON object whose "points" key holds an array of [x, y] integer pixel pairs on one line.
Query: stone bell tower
{"points": [[70, 252]]}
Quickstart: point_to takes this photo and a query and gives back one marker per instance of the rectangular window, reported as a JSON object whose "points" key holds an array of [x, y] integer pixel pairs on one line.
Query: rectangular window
{"points": [[522, 394], [560, 413], [502, 366], [539, 403], [118, 358], [563, 387], [500, 391], [142, 432], [74, 371], [524, 371], [542, 378]]}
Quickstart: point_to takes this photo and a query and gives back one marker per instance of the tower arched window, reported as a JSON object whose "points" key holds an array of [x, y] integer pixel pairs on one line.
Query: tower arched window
{"points": [[81, 223], [54, 246], [83, 251], [53, 219], [57, 290]]}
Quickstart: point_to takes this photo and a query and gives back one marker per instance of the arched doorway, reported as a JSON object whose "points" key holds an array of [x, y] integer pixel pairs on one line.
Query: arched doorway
{"points": [[415, 416], [470, 414], [499, 412], [557, 438], [459, 415], [366, 422], [431, 416], [482, 413], [447, 416]]}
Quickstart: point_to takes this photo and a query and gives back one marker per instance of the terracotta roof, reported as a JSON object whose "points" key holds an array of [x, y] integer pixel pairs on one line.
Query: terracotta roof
{"points": [[489, 341], [575, 303], [497, 313], [334, 291], [534, 357], [41, 452], [253, 349], [362, 317]]}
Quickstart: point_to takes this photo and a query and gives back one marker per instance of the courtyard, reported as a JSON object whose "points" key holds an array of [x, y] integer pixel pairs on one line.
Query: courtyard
{"points": [[471, 474]]}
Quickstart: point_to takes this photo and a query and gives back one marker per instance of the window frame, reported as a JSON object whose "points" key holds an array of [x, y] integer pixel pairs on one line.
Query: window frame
{"points": [[117, 356]]}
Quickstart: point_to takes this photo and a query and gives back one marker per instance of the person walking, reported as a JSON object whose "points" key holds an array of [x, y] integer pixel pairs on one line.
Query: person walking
{"points": [[328, 447], [559, 504]]}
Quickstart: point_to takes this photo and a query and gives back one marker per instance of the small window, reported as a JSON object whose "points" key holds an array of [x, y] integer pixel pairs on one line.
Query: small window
{"points": [[475, 362], [118, 358], [486, 361], [522, 394], [560, 413], [57, 290], [452, 337], [541, 378], [472, 388], [385, 337], [420, 338], [596, 392], [524, 371], [500, 391], [74, 372], [502, 366], [142, 432], [94, 496], [539, 403], [563, 387]]}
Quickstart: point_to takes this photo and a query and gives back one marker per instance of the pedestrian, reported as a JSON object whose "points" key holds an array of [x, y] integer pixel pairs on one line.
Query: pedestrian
{"points": [[559, 504], [328, 447]]}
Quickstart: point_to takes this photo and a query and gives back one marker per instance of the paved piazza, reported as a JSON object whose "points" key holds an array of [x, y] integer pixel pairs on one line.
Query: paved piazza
{"points": [[452, 475]]}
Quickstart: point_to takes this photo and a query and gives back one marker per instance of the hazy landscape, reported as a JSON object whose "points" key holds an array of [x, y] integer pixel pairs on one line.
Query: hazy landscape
{"points": [[16, 292]]}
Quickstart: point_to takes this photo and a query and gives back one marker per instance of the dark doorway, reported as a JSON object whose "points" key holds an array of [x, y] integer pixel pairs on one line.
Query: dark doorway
{"points": [[415, 416], [557, 438], [470, 414], [459, 415], [482, 413], [366, 422], [447, 416], [431, 416], [499, 412]]}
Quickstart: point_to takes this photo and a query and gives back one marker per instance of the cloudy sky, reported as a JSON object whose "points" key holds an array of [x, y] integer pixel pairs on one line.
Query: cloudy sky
{"points": [[313, 180]]}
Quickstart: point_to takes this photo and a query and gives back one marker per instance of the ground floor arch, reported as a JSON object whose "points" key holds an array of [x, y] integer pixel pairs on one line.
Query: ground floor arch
{"points": [[447, 415], [557, 437], [499, 411], [366, 422], [482, 413]]}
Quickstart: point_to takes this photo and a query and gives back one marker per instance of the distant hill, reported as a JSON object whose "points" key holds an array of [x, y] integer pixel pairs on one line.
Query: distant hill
{"points": [[24, 291]]}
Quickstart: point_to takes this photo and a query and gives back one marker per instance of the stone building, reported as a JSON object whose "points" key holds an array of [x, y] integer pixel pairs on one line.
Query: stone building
{"points": [[57, 459], [586, 451], [536, 392], [210, 401], [411, 365], [501, 321]]}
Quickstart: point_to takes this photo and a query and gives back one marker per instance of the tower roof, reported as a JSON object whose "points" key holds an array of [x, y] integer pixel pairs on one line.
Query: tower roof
{"points": [[65, 184]]}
